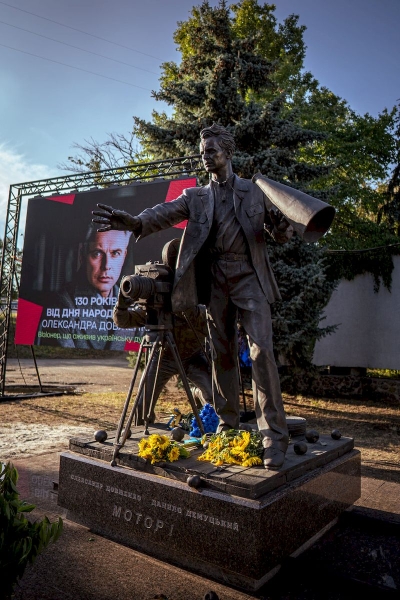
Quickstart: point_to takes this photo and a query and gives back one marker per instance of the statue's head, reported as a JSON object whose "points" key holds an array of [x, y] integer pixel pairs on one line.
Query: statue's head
{"points": [[224, 138], [216, 148]]}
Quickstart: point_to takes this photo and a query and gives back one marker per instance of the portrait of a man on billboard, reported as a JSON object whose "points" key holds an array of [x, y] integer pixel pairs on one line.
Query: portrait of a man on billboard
{"points": [[89, 298], [71, 272]]}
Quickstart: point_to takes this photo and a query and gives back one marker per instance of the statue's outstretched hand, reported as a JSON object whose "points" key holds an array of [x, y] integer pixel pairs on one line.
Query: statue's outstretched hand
{"points": [[111, 218]]}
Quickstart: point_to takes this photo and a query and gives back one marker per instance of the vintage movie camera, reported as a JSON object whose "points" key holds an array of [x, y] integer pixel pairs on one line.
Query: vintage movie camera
{"points": [[150, 285]]}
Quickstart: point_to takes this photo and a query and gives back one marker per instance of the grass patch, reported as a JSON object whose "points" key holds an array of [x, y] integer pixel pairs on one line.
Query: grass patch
{"points": [[384, 373]]}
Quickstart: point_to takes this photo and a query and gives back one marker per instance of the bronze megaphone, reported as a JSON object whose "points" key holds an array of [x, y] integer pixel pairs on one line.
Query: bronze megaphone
{"points": [[309, 217]]}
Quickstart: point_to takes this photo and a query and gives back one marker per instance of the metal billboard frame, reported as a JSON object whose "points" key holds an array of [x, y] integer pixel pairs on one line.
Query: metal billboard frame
{"points": [[77, 182]]}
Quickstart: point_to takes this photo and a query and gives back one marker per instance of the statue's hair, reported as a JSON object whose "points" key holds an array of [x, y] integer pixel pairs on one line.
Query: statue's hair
{"points": [[225, 138]]}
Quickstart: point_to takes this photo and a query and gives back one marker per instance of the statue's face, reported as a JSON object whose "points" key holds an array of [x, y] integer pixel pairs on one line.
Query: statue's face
{"points": [[105, 259], [214, 157]]}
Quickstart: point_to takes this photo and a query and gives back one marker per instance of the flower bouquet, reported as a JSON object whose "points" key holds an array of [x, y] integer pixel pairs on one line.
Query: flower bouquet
{"points": [[156, 448], [209, 419], [233, 447]]}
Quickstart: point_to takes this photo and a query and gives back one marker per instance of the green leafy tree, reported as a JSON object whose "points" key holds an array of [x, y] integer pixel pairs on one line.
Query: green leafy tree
{"points": [[220, 78], [281, 43], [389, 212], [304, 285], [359, 149]]}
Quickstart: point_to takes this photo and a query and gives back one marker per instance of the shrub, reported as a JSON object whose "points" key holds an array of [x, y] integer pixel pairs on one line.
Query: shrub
{"points": [[20, 539]]}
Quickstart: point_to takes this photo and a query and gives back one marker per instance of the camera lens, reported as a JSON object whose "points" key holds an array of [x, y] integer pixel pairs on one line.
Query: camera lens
{"points": [[137, 286]]}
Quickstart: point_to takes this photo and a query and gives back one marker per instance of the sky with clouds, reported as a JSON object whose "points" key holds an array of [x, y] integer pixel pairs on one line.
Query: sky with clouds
{"points": [[74, 70]]}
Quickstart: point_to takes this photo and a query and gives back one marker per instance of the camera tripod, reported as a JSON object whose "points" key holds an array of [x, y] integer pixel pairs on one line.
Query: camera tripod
{"points": [[156, 340]]}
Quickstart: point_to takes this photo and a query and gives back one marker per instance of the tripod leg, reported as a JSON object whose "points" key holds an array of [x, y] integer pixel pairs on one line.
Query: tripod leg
{"points": [[150, 408], [178, 361], [117, 445], [139, 392], [138, 418]]}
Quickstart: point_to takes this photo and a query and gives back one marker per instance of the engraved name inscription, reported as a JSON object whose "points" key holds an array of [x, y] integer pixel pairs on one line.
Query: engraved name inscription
{"points": [[166, 506], [125, 493], [86, 481], [148, 522], [142, 520], [108, 488], [193, 514], [212, 520]]}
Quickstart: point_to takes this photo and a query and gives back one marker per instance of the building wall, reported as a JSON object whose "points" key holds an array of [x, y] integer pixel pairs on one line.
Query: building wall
{"points": [[368, 333]]}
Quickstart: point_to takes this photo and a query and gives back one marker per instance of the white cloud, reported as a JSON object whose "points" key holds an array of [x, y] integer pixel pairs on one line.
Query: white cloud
{"points": [[16, 168]]}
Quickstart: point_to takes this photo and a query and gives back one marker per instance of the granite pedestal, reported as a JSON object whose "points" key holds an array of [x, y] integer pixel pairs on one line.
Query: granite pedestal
{"points": [[236, 528]]}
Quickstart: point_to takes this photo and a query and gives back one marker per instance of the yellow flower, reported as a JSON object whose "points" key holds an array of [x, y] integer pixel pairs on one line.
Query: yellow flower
{"points": [[173, 454], [236, 451], [232, 450], [159, 447], [159, 441], [146, 453], [252, 461], [242, 440], [164, 442], [143, 444]]}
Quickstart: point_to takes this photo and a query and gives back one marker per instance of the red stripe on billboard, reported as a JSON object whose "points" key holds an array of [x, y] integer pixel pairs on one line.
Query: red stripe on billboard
{"points": [[28, 318], [175, 189], [131, 346], [65, 198]]}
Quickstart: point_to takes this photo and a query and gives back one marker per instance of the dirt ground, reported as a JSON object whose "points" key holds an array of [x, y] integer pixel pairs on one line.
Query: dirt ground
{"points": [[35, 425], [87, 375]]}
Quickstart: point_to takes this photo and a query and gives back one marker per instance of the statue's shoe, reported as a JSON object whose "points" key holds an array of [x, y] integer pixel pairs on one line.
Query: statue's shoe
{"points": [[273, 458], [225, 427], [245, 427]]}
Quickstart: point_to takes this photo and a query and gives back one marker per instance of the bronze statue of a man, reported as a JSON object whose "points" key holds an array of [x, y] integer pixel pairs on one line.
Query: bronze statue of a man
{"points": [[223, 263]]}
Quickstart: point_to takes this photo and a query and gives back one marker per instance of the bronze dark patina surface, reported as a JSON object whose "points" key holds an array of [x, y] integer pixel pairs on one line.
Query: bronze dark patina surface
{"points": [[222, 263]]}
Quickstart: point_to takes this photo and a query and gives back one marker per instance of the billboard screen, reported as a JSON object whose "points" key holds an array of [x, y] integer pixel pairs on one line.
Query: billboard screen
{"points": [[71, 273]]}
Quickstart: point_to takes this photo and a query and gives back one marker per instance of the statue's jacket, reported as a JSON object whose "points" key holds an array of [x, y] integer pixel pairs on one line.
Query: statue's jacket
{"points": [[193, 272]]}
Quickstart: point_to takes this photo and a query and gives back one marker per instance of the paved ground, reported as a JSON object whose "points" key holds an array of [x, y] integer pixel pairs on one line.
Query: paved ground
{"points": [[87, 375]]}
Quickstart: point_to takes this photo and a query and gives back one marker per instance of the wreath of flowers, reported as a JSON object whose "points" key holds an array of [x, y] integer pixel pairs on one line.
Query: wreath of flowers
{"points": [[233, 447], [158, 448]]}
